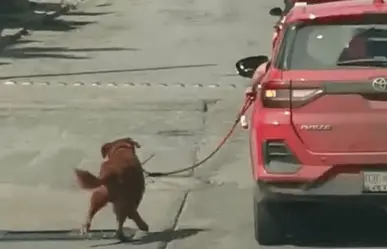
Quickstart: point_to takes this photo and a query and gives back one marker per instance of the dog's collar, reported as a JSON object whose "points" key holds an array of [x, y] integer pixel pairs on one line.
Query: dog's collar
{"points": [[114, 149]]}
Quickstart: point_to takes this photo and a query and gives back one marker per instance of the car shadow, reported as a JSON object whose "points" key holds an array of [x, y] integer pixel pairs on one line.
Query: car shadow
{"points": [[59, 25], [40, 22], [54, 52], [81, 13], [162, 236], [339, 227], [46, 7], [44, 17], [30, 20]]}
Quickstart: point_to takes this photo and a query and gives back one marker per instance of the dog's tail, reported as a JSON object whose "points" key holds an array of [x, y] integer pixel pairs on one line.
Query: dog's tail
{"points": [[87, 180]]}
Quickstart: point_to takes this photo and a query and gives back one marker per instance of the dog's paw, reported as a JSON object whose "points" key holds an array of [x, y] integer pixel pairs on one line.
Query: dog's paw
{"points": [[144, 228], [121, 236], [25, 32], [84, 231]]}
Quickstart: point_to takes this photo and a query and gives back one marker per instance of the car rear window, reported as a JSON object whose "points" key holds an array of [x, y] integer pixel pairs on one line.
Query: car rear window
{"points": [[319, 47]]}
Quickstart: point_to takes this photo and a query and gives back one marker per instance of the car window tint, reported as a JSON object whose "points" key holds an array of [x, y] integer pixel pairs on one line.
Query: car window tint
{"points": [[322, 46]]}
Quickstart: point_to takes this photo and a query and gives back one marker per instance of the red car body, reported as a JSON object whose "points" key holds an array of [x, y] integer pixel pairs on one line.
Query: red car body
{"points": [[314, 1], [319, 120]]}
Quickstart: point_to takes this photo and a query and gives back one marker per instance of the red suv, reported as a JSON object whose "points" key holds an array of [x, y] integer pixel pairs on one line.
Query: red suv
{"points": [[319, 118]]}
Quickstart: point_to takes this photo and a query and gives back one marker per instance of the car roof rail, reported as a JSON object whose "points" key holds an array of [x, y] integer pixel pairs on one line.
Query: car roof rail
{"points": [[296, 4]]}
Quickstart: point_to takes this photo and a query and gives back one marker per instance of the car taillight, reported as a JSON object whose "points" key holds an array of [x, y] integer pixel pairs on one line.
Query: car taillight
{"points": [[280, 95]]}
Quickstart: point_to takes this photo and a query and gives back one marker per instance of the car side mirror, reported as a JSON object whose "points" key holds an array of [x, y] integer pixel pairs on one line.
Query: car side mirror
{"points": [[277, 11], [247, 66]]}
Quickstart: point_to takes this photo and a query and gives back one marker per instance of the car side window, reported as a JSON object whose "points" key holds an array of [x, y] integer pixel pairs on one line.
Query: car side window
{"points": [[282, 46]]}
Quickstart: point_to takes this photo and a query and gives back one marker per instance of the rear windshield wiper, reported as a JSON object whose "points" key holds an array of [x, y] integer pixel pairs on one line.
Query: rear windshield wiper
{"points": [[376, 61]]}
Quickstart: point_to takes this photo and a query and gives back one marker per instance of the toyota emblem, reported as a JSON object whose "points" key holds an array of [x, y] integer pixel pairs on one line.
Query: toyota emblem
{"points": [[380, 84]]}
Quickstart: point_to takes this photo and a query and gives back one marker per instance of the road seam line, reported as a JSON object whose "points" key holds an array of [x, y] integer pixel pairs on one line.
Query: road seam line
{"points": [[118, 85]]}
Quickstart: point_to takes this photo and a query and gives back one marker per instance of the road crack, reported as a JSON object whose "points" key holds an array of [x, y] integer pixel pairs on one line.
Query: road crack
{"points": [[175, 222], [179, 213]]}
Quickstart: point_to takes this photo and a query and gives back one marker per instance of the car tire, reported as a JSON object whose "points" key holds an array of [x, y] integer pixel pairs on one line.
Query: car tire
{"points": [[269, 223]]}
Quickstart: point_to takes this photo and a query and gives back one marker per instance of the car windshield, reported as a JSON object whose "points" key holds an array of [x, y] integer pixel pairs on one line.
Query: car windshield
{"points": [[319, 47]]}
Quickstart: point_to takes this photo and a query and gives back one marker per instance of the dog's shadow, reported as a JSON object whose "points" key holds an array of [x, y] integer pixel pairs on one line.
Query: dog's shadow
{"points": [[162, 236]]}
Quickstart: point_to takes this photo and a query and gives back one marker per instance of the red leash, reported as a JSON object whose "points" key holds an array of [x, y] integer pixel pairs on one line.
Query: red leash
{"points": [[240, 117]]}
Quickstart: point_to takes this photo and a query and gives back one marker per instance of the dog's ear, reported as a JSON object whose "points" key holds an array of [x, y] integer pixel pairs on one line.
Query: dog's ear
{"points": [[105, 149], [136, 144], [133, 142]]}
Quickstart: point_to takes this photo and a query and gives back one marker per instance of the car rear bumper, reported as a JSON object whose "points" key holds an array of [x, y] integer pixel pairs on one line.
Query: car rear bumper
{"points": [[340, 190]]}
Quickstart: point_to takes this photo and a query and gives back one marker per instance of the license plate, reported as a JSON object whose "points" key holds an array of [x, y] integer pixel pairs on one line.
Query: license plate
{"points": [[375, 181]]}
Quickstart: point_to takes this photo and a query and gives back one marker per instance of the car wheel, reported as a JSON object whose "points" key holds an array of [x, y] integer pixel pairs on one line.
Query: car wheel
{"points": [[269, 223]]}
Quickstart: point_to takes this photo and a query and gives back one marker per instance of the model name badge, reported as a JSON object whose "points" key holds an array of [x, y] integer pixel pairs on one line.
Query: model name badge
{"points": [[316, 127]]}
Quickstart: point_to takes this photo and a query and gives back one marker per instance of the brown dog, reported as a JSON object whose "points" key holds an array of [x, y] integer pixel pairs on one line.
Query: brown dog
{"points": [[120, 181]]}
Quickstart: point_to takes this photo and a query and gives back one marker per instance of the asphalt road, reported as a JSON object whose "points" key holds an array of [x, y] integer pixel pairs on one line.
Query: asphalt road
{"points": [[160, 72]]}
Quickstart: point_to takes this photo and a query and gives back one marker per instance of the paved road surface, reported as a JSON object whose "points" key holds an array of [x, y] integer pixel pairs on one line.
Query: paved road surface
{"points": [[56, 116], [137, 37]]}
